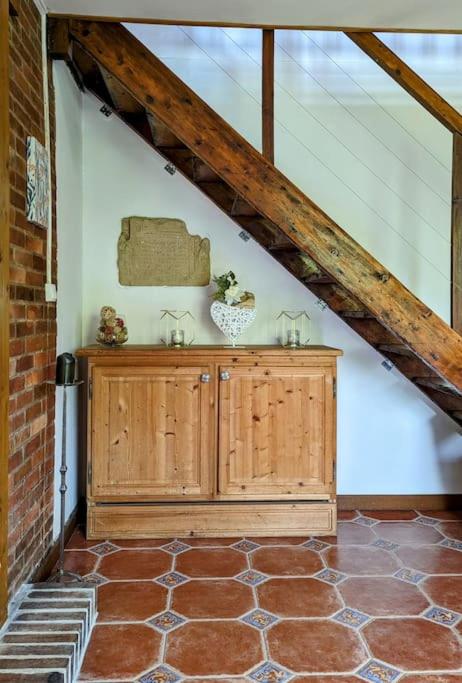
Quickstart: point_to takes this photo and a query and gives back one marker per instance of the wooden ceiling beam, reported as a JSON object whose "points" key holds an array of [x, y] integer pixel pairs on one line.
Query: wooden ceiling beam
{"points": [[408, 79]]}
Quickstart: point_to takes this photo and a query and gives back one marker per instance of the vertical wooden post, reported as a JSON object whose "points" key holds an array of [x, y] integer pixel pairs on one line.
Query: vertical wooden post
{"points": [[268, 94], [4, 297], [456, 234]]}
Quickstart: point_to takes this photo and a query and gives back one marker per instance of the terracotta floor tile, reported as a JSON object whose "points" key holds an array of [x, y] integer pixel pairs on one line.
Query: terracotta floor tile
{"points": [[130, 601], [326, 679], [431, 678], [361, 561], [451, 529], [390, 514], [449, 515], [78, 541], [432, 559], [345, 515], [350, 533], [379, 596], [445, 591], [286, 561], [284, 540], [80, 561], [315, 646], [135, 564], [414, 644], [211, 562], [411, 532], [120, 651], [213, 599], [141, 542], [198, 542], [212, 648], [297, 597]]}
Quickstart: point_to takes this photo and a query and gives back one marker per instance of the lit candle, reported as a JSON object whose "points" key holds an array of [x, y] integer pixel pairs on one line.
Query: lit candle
{"points": [[293, 338], [177, 337]]}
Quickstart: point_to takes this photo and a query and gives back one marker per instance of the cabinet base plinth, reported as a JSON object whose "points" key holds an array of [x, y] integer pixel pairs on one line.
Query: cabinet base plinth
{"points": [[207, 520]]}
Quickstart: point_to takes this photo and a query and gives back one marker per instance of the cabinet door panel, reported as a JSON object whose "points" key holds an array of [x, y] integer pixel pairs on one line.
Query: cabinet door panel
{"points": [[150, 435], [276, 432]]}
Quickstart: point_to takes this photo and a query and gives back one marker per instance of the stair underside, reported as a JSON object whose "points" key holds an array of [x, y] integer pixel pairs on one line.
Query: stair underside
{"points": [[95, 78]]}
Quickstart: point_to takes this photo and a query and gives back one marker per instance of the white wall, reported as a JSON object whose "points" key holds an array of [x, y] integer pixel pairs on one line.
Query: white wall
{"points": [[69, 246], [391, 439]]}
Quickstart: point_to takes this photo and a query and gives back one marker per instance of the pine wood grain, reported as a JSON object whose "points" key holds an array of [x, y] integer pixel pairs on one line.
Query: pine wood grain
{"points": [[456, 234]]}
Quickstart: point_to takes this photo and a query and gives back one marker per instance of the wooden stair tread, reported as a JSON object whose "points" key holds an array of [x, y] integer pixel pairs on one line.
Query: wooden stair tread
{"points": [[356, 314], [438, 384], [399, 349]]}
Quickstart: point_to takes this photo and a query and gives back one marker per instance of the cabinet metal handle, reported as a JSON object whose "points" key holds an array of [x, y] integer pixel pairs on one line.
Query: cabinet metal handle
{"points": [[224, 375], [205, 377]]}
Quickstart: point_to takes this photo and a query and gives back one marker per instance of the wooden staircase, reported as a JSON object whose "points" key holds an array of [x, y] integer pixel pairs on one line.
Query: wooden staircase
{"points": [[108, 61]]}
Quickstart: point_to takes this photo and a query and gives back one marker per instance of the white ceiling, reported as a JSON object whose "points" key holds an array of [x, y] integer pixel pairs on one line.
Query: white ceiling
{"points": [[445, 15]]}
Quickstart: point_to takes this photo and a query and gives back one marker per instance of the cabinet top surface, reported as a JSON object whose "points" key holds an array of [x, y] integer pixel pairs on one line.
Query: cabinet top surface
{"points": [[205, 350]]}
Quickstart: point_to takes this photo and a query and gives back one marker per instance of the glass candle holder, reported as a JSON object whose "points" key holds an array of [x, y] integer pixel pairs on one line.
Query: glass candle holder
{"points": [[293, 329], [177, 328]]}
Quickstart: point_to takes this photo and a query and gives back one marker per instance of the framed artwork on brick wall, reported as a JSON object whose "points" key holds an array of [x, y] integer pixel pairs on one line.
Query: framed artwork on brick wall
{"points": [[37, 193]]}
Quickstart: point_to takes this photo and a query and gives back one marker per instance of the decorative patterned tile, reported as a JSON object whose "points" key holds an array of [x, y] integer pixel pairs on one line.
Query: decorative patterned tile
{"points": [[245, 546], [451, 543], [427, 520], [166, 621], [409, 575], [172, 579], [351, 617], [331, 576], [260, 619], [105, 548], [268, 672], [314, 544], [161, 674], [378, 673], [365, 521], [176, 547], [442, 616], [251, 577], [95, 579], [385, 545]]}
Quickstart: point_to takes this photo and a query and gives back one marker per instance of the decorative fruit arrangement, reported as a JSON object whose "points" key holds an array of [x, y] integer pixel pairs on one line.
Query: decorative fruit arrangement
{"points": [[112, 330]]}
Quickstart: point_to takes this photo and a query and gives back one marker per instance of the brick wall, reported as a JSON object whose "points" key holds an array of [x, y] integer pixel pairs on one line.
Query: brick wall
{"points": [[33, 321]]}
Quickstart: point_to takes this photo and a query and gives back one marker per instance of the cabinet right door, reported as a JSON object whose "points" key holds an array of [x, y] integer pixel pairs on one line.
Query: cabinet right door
{"points": [[276, 432]]}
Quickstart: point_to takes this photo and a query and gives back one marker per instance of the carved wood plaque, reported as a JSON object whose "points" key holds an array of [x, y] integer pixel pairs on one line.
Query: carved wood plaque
{"points": [[160, 251]]}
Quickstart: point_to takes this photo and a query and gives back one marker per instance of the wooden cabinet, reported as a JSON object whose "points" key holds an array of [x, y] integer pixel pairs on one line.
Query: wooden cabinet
{"points": [[210, 441]]}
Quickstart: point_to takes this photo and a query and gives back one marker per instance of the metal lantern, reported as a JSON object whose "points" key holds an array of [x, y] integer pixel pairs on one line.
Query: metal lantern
{"points": [[177, 327], [293, 328]]}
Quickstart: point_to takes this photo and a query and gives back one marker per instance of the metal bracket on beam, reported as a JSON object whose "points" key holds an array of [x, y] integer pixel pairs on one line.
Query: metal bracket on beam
{"points": [[106, 111], [170, 168]]}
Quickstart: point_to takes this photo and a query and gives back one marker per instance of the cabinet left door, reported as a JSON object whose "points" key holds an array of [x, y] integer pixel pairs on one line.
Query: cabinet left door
{"points": [[151, 433]]}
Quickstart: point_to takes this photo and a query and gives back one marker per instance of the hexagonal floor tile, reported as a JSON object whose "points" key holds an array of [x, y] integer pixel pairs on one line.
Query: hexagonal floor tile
{"points": [[414, 644], [379, 596], [350, 533], [135, 564], [130, 601], [390, 515], [431, 559], [80, 561], [308, 646], [203, 562], [298, 597], [139, 644], [452, 529], [361, 561], [434, 678], [213, 598], [210, 648], [326, 679], [286, 561], [445, 591], [407, 532]]}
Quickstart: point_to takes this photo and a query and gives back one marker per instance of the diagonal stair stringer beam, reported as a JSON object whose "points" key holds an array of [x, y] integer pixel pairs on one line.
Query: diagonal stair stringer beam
{"points": [[275, 197]]}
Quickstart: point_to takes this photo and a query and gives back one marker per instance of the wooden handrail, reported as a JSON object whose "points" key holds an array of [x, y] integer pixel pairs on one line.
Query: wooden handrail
{"points": [[275, 197], [408, 79]]}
